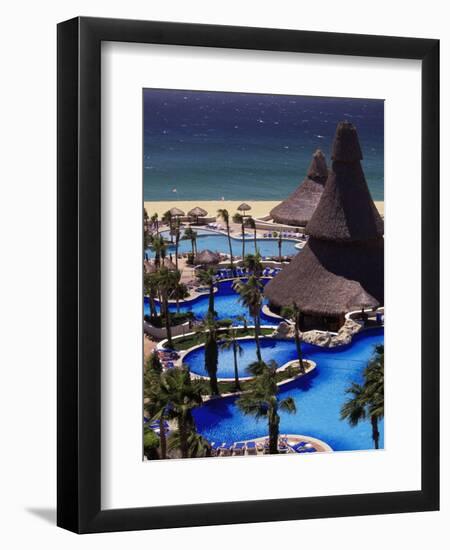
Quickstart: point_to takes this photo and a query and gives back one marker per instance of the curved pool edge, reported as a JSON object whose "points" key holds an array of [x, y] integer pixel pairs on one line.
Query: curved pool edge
{"points": [[283, 367], [316, 442]]}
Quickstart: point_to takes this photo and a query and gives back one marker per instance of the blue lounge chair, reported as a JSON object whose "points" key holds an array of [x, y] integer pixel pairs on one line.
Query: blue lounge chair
{"points": [[299, 447], [224, 449], [238, 448]]}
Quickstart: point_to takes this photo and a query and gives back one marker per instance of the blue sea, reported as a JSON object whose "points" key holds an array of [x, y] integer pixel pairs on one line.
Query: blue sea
{"points": [[209, 145]]}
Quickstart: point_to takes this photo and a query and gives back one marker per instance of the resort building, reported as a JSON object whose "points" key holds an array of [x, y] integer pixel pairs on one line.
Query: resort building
{"points": [[341, 268], [298, 208]]}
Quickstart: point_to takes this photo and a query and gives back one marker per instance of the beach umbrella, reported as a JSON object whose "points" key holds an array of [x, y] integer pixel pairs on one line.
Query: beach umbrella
{"points": [[244, 207], [206, 257], [169, 264], [149, 267], [176, 212], [197, 212]]}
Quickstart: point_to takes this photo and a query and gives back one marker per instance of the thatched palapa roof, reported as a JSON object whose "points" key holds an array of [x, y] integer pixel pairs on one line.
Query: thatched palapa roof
{"points": [[197, 212], [329, 279], [244, 207], [341, 267], [175, 212], [206, 257], [298, 208], [150, 267]]}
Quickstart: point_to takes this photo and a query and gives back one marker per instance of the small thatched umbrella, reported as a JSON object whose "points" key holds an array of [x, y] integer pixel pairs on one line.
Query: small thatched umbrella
{"points": [[244, 207], [149, 267], [298, 208], [169, 264], [206, 257], [342, 265], [197, 212], [176, 212]]}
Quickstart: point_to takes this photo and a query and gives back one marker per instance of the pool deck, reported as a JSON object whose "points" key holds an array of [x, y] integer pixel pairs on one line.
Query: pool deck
{"points": [[285, 446]]}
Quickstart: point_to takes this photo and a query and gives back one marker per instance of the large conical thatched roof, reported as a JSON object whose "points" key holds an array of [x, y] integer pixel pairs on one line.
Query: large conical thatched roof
{"points": [[244, 207], [298, 208], [342, 265], [329, 279], [206, 257], [346, 211]]}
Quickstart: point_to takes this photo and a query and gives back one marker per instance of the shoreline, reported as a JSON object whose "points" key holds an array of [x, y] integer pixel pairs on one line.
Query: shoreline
{"points": [[258, 208]]}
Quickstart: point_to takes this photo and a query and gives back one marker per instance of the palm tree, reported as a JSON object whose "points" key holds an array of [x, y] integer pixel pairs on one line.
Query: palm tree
{"points": [[367, 400], [250, 296], [225, 216], [250, 222], [253, 263], [183, 395], [190, 234], [150, 290], [239, 218], [294, 314], [155, 222], [197, 445], [158, 401], [177, 240], [159, 246], [167, 282], [229, 341], [207, 277], [242, 319], [180, 291], [168, 218], [280, 244], [262, 400], [209, 327], [147, 237]]}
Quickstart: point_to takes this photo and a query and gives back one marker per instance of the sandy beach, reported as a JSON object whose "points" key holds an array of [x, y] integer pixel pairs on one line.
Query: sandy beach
{"points": [[259, 208]]}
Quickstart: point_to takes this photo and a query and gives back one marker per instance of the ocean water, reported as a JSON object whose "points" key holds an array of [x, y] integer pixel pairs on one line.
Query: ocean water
{"points": [[209, 145]]}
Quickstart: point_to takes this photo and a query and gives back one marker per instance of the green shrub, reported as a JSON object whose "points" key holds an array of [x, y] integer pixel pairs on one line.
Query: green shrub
{"points": [[151, 444]]}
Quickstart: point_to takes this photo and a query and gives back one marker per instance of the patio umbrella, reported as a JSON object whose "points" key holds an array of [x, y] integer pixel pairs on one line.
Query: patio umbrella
{"points": [[197, 212], [244, 207], [149, 267], [176, 212], [206, 257]]}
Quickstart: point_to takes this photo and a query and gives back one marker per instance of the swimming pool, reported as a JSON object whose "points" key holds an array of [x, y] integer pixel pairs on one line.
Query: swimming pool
{"points": [[226, 304], [219, 243], [318, 397]]}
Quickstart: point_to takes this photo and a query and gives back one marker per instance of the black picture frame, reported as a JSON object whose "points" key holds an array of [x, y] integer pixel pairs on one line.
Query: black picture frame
{"points": [[79, 280]]}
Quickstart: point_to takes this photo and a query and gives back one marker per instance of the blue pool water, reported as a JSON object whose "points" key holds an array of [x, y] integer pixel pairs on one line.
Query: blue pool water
{"points": [[219, 243], [226, 304], [280, 350], [318, 397]]}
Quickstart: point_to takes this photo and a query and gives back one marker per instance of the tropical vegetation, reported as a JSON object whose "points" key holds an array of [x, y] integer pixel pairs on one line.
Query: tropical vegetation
{"points": [[367, 399], [261, 400]]}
